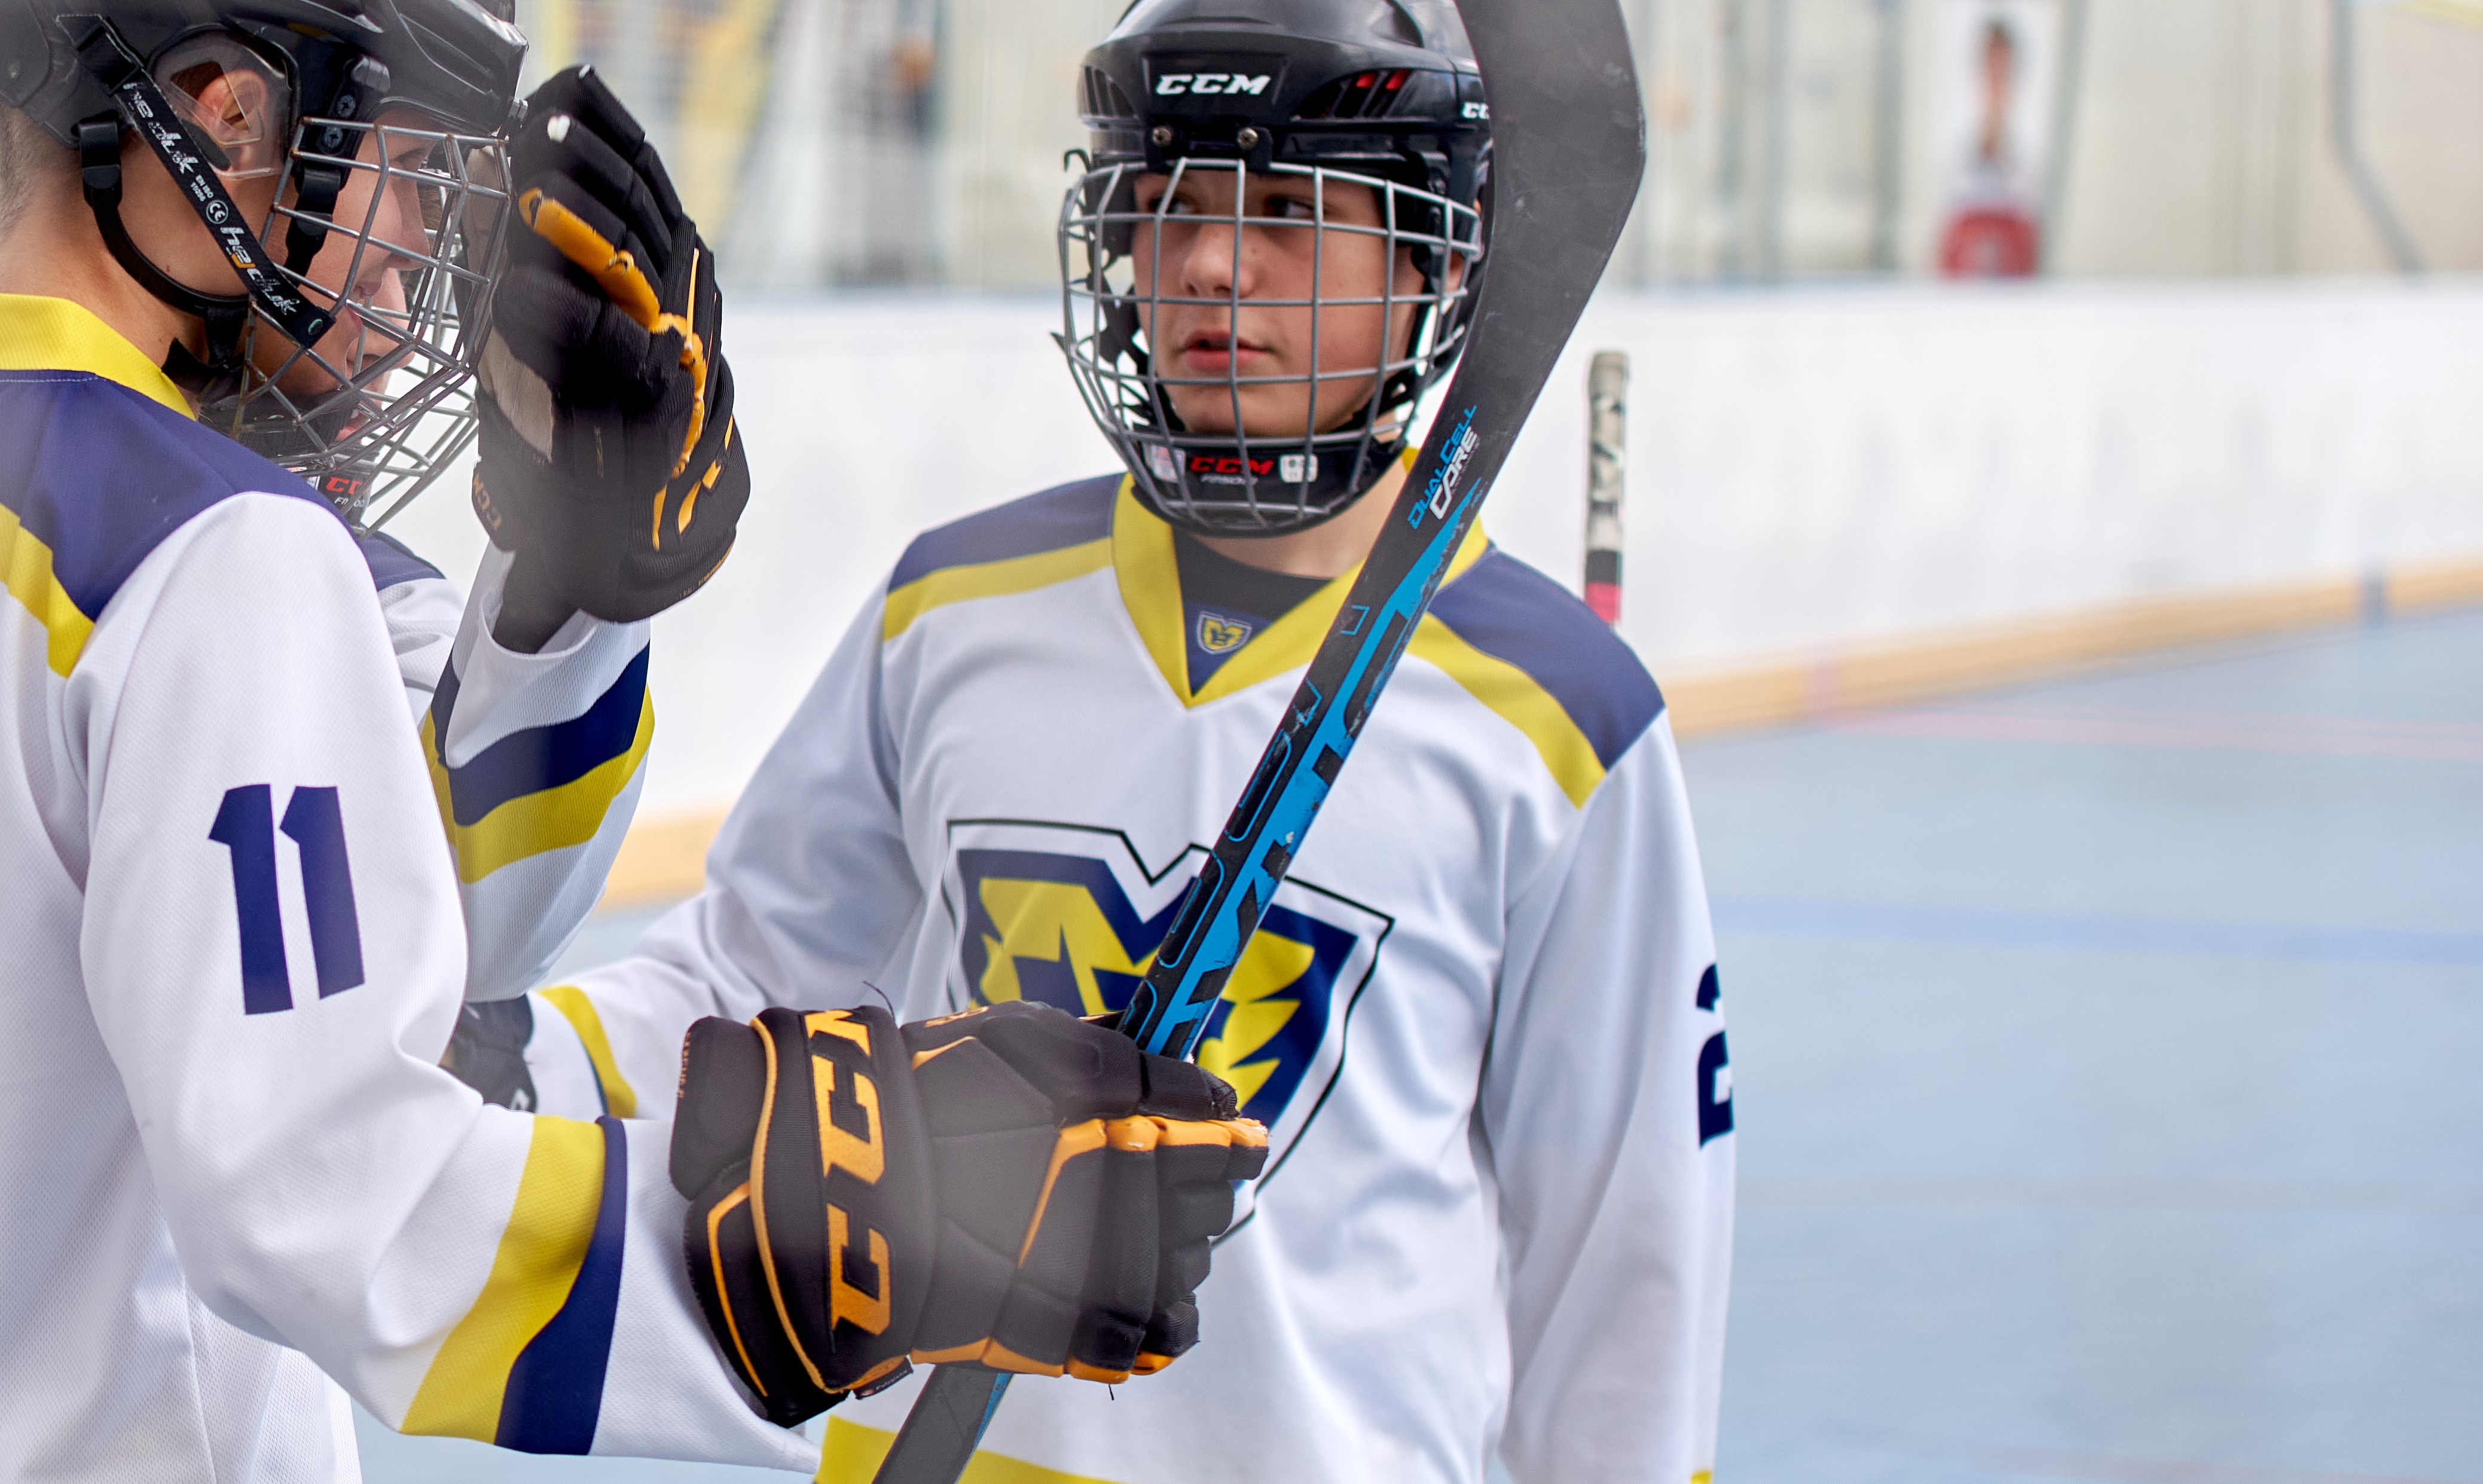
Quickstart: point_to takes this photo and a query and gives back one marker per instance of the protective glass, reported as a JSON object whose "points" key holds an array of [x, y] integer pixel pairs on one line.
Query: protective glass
{"points": [[1257, 480], [386, 399]]}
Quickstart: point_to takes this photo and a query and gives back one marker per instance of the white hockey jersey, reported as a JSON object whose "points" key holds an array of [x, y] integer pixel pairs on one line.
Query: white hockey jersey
{"points": [[536, 760], [228, 1159], [1481, 1018]]}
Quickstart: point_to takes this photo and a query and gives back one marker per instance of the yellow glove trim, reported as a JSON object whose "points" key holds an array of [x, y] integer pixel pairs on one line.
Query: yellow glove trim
{"points": [[758, 1215], [715, 1250], [618, 274]]}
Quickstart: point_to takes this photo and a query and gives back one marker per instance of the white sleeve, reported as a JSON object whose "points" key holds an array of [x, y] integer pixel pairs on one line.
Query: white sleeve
{"points": [[537, 761], [810, 893], [273, 955], [1608, 1118], [422, 616]]}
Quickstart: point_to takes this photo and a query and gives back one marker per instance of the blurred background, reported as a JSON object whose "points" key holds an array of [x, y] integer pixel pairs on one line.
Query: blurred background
{"points": [[919, 141], [2055, 513]]}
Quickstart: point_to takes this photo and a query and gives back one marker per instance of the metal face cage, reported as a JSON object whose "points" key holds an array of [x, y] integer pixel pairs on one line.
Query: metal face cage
{"points": [[386, 399], [1262, 479]]}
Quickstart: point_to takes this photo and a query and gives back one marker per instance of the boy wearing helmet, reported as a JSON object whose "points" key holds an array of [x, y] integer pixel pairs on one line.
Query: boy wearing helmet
{"points": [[231, 1175], [1481, 1017]]}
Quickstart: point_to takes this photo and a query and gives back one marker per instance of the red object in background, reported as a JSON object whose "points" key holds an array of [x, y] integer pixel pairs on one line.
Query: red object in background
{"points": [[1991, 242], [1605, 598]]}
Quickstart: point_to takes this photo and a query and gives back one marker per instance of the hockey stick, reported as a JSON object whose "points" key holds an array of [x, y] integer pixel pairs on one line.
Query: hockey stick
{"points": [[1568, 147], [1606, 476]]}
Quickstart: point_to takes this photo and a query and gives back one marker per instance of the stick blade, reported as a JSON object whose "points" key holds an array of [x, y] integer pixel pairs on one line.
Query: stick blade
{"points": [[1569, 152]]}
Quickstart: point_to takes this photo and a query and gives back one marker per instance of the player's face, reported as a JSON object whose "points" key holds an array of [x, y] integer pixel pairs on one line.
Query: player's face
{"points": [[1261, 322], [366, 275]]}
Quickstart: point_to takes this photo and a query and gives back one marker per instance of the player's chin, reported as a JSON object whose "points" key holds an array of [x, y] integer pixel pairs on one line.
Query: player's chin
{"points": [[1267, 412], [353, 354]]}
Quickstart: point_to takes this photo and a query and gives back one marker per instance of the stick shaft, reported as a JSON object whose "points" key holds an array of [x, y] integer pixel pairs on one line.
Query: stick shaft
{"points": [[1607, 479]]}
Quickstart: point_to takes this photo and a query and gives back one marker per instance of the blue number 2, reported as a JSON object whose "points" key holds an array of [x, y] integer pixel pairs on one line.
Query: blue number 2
{"points": [[246, 826], [1715, 1112]]}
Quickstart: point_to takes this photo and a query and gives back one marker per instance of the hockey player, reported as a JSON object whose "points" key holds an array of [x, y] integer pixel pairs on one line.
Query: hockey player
{"points": [[229, 1169], [1480, 1015]]}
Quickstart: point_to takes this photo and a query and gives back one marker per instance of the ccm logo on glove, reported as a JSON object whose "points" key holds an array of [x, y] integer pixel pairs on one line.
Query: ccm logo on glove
{"points": [[1011, 1186]]}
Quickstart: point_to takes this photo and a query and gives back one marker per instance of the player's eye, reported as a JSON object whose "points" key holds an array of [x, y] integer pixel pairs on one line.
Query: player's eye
{"points": [[1288, 208]]}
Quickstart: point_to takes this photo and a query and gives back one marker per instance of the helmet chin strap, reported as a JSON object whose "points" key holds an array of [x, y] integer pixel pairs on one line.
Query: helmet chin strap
{"points": [[144, 107], [227, 315]]}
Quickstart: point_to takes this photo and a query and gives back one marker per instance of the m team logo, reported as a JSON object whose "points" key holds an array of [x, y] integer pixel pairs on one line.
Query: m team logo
{"points": [[1070, 917], [1222, 636]]}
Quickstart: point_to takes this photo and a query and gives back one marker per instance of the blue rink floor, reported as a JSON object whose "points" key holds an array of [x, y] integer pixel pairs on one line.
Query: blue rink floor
{"points": [[2108, 1064]]}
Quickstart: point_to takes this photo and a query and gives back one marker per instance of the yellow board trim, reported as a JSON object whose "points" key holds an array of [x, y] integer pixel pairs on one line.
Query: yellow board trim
{"points": [[852, 1455], [1150, 581], [39, 334], [26, 569], [542, 1248], [620, 1099], [990, 579], [663, 858], [554, 819], [1518, 700]]}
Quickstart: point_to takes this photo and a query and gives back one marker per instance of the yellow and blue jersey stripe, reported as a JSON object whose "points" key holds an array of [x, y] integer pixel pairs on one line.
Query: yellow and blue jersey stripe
{"points": [[542, 789], [1515, 639], [524, 1367], [1523, 646], [99, 472], [1029, 544], [620, 1099]]}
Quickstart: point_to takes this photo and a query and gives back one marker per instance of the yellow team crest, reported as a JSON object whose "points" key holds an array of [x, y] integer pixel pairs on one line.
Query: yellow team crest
{"points": [[1069, 915], [1222, 636]]}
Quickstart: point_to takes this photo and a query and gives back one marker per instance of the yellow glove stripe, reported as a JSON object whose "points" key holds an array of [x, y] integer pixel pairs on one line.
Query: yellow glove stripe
{"points": [[1075, 1140], [714, 473], [618, 274], [759, 1214], [614, 271], [715, 1254], [993, 1354], [689, 502], [694, 358]]}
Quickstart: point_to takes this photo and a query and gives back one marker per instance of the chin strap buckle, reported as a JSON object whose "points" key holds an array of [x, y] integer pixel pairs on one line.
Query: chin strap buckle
{"points": [[98, 144], [316, 207]]}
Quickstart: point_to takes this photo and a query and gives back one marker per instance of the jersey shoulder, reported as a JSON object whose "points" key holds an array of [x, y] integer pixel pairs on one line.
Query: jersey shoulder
{"points": [[99, 475], [1061, 533], [392, 563], [1531, 651]]}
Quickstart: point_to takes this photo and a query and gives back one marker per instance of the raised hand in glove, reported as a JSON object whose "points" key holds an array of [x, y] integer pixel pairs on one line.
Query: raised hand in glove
{"points": [[611, 462], [1011, 1186]]}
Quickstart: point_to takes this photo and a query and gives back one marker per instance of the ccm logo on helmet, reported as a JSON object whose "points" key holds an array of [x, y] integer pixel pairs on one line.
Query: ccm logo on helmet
{"points": [[1212, 84]]}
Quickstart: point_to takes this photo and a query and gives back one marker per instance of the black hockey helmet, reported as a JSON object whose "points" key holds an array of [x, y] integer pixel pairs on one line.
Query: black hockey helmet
{"points": [[1382, 93], [385, 416]]}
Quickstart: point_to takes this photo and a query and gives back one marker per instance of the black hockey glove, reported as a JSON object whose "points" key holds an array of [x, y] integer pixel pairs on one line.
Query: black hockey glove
{"points": [[610, 463], [488, 1051], [1011, 1186]]}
